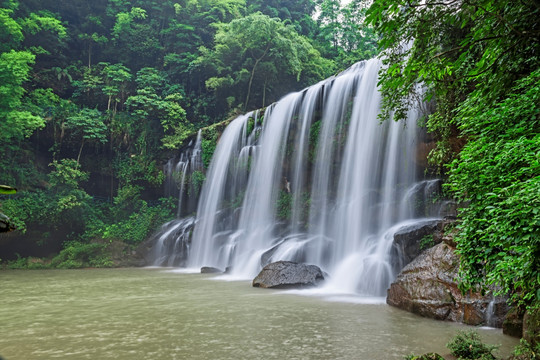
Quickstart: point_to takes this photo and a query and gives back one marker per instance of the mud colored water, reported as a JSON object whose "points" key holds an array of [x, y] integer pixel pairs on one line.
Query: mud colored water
{"points": [[159, 314]]}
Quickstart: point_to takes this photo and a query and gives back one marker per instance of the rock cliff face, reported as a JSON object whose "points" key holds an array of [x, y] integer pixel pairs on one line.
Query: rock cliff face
{"points": [[427, 287], [287, 274]]}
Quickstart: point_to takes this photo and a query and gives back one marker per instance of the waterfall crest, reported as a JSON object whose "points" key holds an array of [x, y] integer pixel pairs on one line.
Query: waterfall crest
{"points": [[318, 179]]}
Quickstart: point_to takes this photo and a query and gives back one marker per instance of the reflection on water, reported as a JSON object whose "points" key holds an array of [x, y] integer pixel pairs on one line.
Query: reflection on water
{"points": [[158, 314]]}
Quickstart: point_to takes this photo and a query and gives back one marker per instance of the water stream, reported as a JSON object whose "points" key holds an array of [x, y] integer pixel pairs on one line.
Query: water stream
{"points": [[316, 179]]}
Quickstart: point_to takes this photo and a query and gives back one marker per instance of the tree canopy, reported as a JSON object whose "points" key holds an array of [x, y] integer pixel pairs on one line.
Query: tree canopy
{"points": [[259, 57]]}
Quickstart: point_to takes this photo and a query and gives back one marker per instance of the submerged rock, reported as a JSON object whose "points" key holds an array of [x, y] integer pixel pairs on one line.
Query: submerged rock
{"points": [[210, 270], [288, 274], [427, 287]]}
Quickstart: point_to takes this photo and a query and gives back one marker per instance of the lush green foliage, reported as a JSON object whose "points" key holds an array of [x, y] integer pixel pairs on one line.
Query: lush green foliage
{"points": [[498, 174], [478, 61], [452, 48], [74, 255], [468, 345], [345, 34], [77, 255], [62, 204], [284, 205]]}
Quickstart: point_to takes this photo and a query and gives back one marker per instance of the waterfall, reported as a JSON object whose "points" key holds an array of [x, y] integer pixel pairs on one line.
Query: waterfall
{"points": [[318, 179]]}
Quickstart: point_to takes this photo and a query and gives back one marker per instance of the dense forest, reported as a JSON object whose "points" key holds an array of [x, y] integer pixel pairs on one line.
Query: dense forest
{"points": [[97, 95]]}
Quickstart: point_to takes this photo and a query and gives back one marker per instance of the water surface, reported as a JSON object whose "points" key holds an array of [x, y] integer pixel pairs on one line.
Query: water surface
{"points": [[159, 314]]}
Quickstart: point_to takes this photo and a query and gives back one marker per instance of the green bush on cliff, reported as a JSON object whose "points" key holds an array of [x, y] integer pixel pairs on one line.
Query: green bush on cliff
{"points": [[210, 136], [138, 226], [197, 180], [284, 203], [77, 255], [498, 175]]}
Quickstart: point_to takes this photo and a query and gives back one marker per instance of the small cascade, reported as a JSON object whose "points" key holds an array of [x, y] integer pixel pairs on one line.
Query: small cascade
{"points": [[213, 241], [171, 246], [490, 312], [171, 243], [495, 312], [318, 179], [179, 173]]}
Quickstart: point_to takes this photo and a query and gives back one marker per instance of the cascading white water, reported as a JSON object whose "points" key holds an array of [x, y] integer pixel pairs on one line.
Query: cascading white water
{"points": [[323, 181], [208, 247]]}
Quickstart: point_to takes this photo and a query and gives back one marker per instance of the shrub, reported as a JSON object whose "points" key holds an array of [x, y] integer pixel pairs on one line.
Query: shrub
{"points": [[139, 225], [426, 242], [76, 255], [526, 351], [468, 345], [20, 263]]}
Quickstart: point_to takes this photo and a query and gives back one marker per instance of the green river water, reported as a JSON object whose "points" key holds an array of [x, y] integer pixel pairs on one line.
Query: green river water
{"points": [[160, 314]]}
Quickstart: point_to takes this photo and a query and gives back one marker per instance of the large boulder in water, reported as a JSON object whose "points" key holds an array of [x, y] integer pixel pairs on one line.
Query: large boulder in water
{"points": [[287, 274], [427, 286], [210, 270]]}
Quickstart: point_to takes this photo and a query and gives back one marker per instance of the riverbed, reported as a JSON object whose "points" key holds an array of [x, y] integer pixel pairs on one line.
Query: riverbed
{"points": [[163, 314]]}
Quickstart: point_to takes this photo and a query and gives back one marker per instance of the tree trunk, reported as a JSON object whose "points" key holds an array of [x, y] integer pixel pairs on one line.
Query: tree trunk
{"points": [[253, 74], [80, 151], [112, 185], [90, 55], [251, 82], [264, 91]]}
